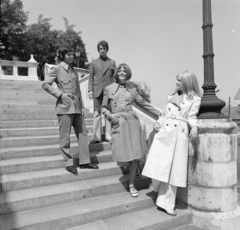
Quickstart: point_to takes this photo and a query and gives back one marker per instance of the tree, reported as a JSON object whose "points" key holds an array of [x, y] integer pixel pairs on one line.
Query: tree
{"points": [[71, 38], [67, 26], [13, 27], [42, 41], [143, 89]]}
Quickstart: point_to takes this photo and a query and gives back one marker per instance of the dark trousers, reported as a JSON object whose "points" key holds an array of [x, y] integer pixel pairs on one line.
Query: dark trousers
{"points": [[97, 121], [66, 121]]}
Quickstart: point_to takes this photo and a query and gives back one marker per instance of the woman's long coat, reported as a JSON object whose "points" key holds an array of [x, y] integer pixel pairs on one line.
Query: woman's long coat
{"points": [[128, 141], [168, 155]]}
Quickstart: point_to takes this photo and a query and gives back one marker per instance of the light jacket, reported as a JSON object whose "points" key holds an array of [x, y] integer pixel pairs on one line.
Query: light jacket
{"points": [[66, 79]]}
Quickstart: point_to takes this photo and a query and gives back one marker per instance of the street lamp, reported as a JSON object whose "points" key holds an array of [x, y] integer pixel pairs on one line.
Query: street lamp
{"points": [[211, 106], [78, 54]]}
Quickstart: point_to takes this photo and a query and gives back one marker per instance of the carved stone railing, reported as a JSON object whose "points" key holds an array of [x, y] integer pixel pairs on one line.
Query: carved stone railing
{"points": [[31, 65]]}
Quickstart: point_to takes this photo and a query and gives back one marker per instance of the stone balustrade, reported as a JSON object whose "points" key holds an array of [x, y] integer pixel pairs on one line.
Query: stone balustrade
{"points": [[31, 66]]}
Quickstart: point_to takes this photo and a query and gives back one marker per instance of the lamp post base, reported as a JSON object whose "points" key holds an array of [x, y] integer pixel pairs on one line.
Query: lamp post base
{"points": [[211, 108]]}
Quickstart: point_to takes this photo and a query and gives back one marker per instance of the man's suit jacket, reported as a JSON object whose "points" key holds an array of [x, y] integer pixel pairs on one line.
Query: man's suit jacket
{"points": [[100, 76], [67, 82]]}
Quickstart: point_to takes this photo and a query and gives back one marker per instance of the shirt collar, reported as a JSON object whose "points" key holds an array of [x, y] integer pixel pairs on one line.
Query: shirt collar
{"points": [[64, 65], [103, 58]]}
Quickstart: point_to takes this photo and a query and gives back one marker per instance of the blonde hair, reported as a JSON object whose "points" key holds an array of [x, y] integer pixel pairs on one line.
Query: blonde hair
{"points": [[190, 83]]}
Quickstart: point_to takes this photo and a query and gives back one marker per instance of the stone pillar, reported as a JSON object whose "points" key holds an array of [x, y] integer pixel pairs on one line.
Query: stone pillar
{"points": [[211, 194], [32, 69], [15, 69]]}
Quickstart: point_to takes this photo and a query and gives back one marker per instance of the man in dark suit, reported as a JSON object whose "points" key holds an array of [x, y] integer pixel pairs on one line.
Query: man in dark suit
{"points": [[101, 75]]}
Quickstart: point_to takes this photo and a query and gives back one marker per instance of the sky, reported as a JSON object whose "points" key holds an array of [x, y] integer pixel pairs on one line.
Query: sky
{"points": [[157, 38]]}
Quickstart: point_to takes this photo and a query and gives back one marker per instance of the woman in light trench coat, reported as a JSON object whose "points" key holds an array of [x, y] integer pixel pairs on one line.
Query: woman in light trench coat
{"points": [[128, 143], [168, 156]]}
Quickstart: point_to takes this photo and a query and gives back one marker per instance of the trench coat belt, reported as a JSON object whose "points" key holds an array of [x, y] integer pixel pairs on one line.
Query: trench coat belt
{"points": [[173, 116], [124, 109]]}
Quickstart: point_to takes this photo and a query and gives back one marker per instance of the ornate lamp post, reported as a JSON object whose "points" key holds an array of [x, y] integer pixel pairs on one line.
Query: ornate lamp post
{"points": [[211, 106], [212, 184], [78, 54]]}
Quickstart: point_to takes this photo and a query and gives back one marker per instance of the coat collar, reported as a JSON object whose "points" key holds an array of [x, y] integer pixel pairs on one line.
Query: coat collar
{"points": [[115, 86], [177, 99], [64, 65]]}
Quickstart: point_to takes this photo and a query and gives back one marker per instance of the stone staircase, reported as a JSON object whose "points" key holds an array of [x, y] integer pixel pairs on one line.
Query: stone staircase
{"points": [[36, 192]]}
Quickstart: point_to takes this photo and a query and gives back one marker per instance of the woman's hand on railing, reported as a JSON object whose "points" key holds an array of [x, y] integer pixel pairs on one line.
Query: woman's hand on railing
{"points": [[157, 126], [90, 94], [83, 114]]}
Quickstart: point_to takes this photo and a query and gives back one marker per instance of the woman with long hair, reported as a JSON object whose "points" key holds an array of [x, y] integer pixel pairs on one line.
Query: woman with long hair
{"points": [[168, 156]]}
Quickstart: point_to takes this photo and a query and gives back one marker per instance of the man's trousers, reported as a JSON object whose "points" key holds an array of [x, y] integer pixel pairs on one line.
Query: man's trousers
{"points": [[66, 121]]}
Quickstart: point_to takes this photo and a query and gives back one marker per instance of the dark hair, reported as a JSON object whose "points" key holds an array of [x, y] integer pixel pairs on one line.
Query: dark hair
{"points": [[128, 71], [103, 44], [62, 51]]}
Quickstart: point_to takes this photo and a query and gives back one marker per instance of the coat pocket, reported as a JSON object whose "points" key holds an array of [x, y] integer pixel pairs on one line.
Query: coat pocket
{"points": [[66, 101], [66, 83]]}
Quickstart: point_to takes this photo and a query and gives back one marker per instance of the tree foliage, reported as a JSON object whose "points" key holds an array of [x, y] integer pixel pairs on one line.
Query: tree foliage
{"points": [[18, 39], [42, 40], [13, 27], [143, 89]]}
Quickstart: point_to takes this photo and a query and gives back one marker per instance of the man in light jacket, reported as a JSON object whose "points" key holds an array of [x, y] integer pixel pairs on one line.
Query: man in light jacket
{"points": [[69, 108]]}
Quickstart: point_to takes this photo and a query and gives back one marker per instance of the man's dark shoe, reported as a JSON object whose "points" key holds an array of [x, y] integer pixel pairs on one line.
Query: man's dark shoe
{"points": [[72, 170], [88, 166], [95, 142]]}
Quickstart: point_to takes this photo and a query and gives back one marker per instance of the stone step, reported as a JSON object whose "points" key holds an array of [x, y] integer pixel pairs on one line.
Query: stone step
{"points": [[47, 150], [21, 86], [32, 198], [7, 142], [20, 83], [30, 97], [20, 132], [189, 227], [26, 89], [27, 102], [30, 110], [35, 123], [75, 213], [27, 164], [19, 94], [22, 117], [24, 95], [26, 116], [27, 107], [145, 219], [17, 181]]}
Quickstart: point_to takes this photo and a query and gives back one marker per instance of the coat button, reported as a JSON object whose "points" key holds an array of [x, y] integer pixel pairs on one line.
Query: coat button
{"points": [[175, 125], [166, 124], [123, 102]]}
